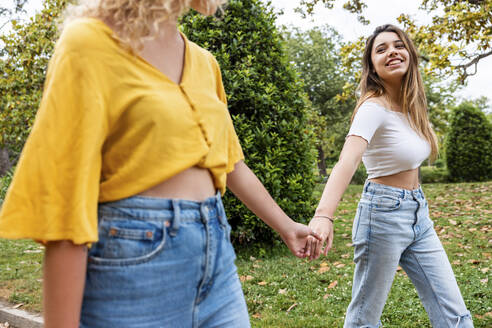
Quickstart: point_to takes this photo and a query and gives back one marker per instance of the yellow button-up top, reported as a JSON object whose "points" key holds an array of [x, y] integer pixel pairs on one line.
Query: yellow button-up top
{"points": [[110, 125]]}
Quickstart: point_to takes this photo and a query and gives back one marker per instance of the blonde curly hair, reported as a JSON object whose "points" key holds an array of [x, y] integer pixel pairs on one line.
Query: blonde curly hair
{"points": [[132, 21]]}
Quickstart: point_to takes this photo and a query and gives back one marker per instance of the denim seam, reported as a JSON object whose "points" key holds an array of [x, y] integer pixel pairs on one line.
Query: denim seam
{"points": [[366, 260], [430, 285]]}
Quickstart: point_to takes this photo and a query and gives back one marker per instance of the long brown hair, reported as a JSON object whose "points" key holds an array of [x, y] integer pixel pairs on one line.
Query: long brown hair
{"points": [[413, 101]]}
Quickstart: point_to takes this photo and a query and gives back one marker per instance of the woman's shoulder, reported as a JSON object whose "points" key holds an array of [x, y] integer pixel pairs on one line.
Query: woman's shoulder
{"points": [[83, 35], [201, 53], [373, 104]]}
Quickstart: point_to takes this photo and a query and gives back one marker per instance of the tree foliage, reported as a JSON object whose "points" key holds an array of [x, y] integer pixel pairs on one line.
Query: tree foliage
{"points": [[469, 144], [269, 109], [315, 54], [23, 62]]}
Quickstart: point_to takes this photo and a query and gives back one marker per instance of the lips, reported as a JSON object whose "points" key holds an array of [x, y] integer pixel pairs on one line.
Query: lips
{"points": [[394, 61]]}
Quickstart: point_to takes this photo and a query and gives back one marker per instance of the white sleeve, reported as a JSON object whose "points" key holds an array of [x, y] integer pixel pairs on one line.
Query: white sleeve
{"points": [[367, 120]]}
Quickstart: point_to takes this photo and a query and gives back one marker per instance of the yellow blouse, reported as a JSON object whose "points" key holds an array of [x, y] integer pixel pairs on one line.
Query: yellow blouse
{"points": [[110, 125]]}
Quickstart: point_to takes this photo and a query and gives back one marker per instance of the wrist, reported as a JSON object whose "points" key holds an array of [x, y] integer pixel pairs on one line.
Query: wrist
{"points": [[286, 227], [324, 217]]}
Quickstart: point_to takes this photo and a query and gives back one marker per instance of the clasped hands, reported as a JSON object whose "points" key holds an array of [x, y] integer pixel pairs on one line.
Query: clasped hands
{"points": [[322, 227], [307, 241]]}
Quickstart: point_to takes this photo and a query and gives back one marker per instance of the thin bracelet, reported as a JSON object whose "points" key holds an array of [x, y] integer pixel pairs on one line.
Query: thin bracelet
{"points": [[325, 217]]}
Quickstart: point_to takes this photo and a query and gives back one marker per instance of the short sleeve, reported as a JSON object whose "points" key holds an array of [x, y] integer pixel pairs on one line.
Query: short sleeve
{"points": [[367, 120], [55, 189], [235, 152]]}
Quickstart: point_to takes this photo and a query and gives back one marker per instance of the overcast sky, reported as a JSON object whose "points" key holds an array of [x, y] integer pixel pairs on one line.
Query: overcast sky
{"points": [[379, 12]]}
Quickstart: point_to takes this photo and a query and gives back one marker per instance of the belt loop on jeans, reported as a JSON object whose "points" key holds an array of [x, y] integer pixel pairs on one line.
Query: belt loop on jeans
{"points": [[177, 218], [220, 209]]}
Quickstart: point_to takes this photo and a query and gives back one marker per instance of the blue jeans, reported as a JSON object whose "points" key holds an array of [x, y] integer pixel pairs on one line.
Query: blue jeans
{"points": [[163, 263], [391, 227]]}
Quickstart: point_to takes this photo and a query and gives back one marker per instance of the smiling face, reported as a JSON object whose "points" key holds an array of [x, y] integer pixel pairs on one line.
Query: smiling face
{"points": [[389, 56]]}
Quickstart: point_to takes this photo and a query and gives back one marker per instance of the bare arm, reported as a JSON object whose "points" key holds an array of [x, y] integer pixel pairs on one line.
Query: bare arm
{"points": [[63, 283], [336, 185], [248, 188]]}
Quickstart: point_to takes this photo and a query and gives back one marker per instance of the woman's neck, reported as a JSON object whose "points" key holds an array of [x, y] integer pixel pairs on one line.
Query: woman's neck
{"points": [[393, 95]]}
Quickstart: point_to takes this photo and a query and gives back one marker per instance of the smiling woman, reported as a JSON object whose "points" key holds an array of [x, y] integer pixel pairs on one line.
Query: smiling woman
{"points": [[391, 133]]}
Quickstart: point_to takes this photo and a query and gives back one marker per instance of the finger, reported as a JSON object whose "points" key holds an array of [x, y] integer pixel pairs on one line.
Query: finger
{"points": [[315, 235], [314, 252], [317, 249], [308, 247], [329, 244]]}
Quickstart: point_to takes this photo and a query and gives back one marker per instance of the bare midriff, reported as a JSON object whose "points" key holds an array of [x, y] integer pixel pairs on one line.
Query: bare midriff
{"points": [[405, 180], [194, 183]]}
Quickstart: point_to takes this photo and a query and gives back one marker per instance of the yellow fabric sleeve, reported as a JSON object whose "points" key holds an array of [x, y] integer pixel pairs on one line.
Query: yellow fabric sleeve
{"points": [[55, 189]]}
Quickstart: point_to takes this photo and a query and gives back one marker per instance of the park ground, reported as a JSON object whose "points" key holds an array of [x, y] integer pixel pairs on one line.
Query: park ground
{"points": [[282, 291]]}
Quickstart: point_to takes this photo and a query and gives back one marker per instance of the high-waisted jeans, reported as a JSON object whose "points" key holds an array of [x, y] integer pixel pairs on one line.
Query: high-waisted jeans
{"points": [[163, 263], [392, 227]]}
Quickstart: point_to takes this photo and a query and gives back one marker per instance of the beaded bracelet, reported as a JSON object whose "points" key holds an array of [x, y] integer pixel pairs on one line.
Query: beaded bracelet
{"points": [[325, 217]]}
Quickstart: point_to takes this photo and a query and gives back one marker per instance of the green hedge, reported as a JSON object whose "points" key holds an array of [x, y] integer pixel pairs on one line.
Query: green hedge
{"points": [[268, 106], [433, 174], [469, 145]]}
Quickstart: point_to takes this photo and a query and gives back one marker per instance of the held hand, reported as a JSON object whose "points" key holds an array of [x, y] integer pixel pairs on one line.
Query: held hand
{"points": [[324, 228], [296, 238]]}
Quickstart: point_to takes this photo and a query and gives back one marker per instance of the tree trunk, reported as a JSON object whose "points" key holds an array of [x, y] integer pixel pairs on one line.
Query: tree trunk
{"points": [[5, 164], [321, 161]]}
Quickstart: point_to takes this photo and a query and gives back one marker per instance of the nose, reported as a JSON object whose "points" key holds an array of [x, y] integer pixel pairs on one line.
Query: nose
{"points": [[392, 51]]}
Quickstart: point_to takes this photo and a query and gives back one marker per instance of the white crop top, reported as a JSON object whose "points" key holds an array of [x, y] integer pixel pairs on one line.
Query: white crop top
{"points": [[393, 146]]}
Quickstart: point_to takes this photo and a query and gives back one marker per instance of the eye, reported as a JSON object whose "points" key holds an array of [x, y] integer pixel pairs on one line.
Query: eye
{"points": [[400, 46], [379, 50]]}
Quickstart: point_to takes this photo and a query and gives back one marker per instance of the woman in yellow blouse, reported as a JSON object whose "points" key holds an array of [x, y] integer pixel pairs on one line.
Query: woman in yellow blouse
{"points": [[130, 145]]}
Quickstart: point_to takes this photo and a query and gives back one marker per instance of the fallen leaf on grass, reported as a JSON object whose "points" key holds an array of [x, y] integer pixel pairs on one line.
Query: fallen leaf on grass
{"points": [[245, 278], [326, 296], [291, 307], [341, 265], [484, 281], [333, 284], [282, 291], [323, 264], [323, 269], [344, 256], [473, 261], [456, 262], [257, 316], [262, 283], [484, 270], [17, 306], [453, 222]]}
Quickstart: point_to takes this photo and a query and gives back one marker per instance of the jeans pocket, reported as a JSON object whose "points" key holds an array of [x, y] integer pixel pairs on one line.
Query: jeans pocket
{"points": [[385, 203], [127, 242]]}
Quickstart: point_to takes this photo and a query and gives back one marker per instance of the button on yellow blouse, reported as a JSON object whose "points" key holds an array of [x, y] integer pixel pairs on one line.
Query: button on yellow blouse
{"points": [[110, 126]]}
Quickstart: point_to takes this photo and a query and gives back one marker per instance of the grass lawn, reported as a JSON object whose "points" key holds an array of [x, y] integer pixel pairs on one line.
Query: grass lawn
{"points": [[282, 291]]}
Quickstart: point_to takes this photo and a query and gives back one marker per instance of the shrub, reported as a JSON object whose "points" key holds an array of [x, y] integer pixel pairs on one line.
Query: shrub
{"points": [[4, 184], [469, 145], [360, 175], [268, 106]]}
